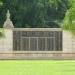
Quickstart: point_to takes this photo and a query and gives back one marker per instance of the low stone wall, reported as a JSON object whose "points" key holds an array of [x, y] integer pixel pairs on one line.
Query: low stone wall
{"points": [[6, 48], [36, 55]]}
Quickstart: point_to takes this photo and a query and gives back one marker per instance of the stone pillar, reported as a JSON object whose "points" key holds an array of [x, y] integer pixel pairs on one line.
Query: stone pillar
{"points": [[68, 42], [6, 43]]}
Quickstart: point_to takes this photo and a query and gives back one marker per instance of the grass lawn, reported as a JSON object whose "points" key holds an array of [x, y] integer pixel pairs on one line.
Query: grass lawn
{"points": [[37, 67]]}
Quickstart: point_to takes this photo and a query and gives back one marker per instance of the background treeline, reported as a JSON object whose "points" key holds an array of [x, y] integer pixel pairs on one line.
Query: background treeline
{"points": [[34, 13]]}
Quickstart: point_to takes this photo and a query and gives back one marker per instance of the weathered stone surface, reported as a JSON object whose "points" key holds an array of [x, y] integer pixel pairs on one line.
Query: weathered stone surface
{"points": [[6, 42], [68, 42], [8, 23]]}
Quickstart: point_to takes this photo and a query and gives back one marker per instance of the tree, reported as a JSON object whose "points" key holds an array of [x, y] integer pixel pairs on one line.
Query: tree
{"points": [[69, 20], [1, 31], [35, 13], [1, 3]]}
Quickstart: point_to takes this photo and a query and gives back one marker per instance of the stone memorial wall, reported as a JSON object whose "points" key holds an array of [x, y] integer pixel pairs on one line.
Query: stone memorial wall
{"points": [[37, 43]]}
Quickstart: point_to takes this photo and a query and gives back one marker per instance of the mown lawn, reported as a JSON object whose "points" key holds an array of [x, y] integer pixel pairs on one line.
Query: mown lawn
{"points": [[37, 67]]}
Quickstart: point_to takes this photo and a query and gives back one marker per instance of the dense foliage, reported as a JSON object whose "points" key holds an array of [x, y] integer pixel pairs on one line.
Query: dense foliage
{"points": [[69, 20], [1, 30], [34, 13]]}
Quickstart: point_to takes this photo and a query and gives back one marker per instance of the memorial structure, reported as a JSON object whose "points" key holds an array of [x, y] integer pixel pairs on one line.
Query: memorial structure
{"points": [[35, 43]]}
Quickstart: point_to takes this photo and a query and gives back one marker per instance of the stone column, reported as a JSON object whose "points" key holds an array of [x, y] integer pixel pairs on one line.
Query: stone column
{"points": [[7, 41], [68, 42]]}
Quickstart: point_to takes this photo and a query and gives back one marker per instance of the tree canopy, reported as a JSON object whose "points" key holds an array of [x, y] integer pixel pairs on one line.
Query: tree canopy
{"points": [[34, 13], [69, 20], [1, 30]]}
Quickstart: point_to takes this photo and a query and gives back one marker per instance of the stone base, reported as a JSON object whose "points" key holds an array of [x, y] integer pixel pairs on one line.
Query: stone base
{"points": [[37, 55]]}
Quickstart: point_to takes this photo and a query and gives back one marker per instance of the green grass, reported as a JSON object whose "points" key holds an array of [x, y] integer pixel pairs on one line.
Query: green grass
{"points": [[37, 67]]}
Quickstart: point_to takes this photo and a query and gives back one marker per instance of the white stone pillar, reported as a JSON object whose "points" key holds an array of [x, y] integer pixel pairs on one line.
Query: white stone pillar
{"points": [[6, 43], [68, 42]]}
